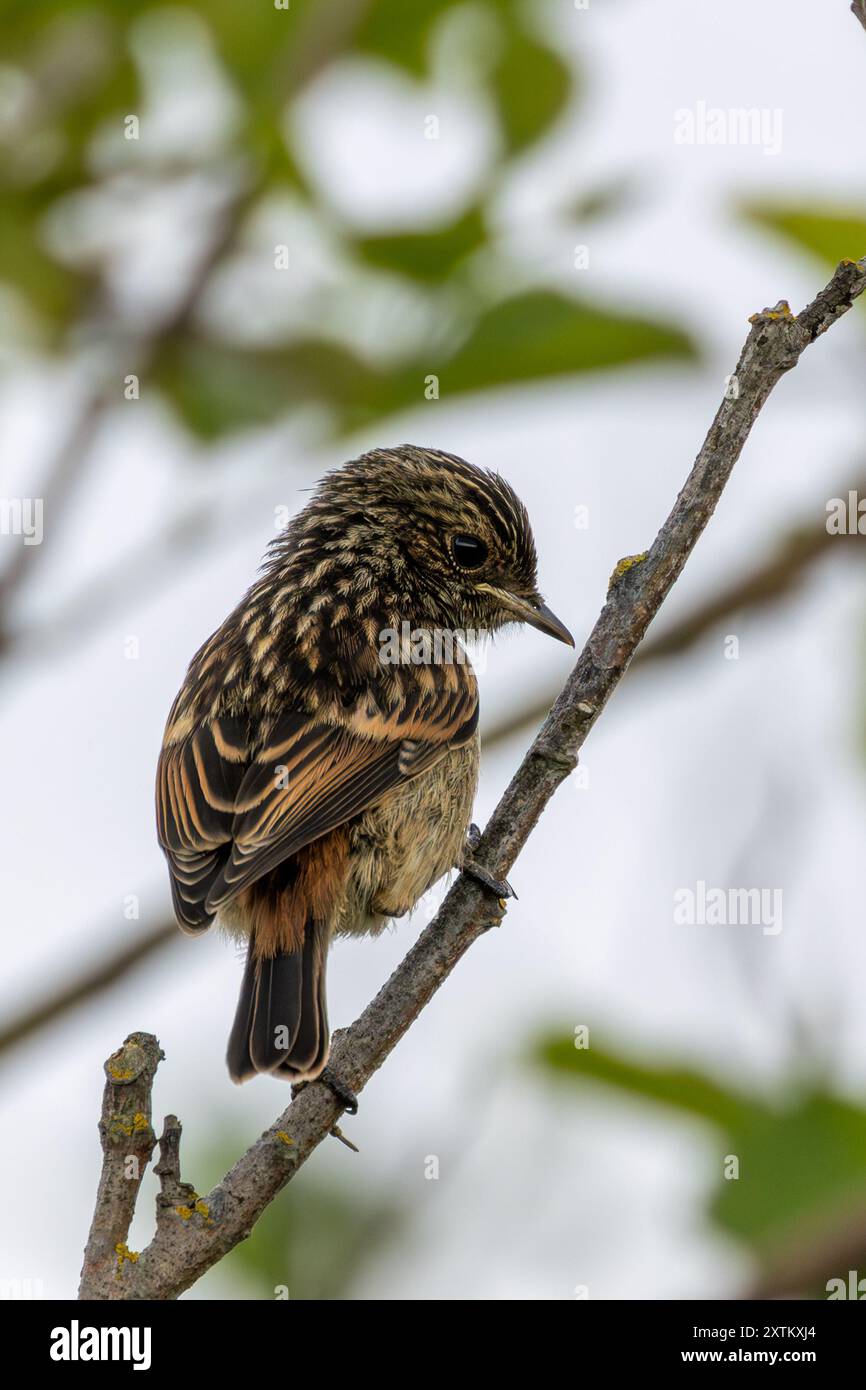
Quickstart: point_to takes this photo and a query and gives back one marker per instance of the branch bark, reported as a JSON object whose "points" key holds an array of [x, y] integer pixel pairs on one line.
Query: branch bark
{"points": [[127, 1139], [189, 1241], [777, 577]]}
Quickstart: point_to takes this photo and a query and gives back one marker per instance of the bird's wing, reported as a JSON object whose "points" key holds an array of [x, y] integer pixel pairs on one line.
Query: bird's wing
{"points": [[197, 782], [310, 777]]}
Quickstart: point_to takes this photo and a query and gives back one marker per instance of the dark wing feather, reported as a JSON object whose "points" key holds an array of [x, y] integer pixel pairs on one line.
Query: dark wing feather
{"points": [[308, 781], [197, 783], [225, 819]]}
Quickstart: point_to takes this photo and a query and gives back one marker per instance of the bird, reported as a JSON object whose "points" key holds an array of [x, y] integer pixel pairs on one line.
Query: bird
{"points": [[320, 760]]}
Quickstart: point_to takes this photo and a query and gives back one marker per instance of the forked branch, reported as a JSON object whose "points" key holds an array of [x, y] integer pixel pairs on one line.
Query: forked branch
{"points": [[192, 1235]]}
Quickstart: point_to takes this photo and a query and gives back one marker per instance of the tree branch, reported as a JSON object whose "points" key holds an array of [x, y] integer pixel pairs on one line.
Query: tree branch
{"points": [[111, 967], [127, 1144], [189, 1241], [778, 576]]}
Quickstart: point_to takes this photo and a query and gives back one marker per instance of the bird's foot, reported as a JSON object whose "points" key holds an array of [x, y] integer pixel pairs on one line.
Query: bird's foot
{"points": [[345, 1096], [473, 838], [499, 887], [338, 1088]]}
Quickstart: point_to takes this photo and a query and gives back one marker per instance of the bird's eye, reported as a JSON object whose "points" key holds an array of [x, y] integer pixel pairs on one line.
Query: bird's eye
{"points": [[469, 552]]}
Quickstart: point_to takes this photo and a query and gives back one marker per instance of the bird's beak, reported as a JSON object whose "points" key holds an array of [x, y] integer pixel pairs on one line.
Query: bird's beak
{"points": [[535, 614]]}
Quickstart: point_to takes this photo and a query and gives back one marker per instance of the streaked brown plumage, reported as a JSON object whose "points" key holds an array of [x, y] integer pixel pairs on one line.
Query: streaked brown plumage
{"points": [[309, 787]]}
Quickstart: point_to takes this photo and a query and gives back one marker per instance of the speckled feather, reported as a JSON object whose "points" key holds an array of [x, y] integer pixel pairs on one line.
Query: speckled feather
{"points": [[306, 788]]}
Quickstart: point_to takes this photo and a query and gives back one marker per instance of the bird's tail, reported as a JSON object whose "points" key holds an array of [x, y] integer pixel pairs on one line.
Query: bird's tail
{"points": [[281, 1024]]}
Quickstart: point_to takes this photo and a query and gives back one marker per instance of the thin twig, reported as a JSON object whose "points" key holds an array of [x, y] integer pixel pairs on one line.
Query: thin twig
{"points": [[776, 578], [184, 1247], [112, 966]]}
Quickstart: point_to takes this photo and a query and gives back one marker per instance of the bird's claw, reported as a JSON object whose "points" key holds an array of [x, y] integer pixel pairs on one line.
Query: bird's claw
{"points": [[347, 1098], [499, 887], [338, 1088], [473, 838]]}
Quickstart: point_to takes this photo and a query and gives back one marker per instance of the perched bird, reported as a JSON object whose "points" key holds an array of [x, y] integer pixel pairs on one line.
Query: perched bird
{"points": [[320, 761]]}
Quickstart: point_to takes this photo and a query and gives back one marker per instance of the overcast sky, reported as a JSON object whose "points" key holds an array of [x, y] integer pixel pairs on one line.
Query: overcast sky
{"points": [[745, 772]]}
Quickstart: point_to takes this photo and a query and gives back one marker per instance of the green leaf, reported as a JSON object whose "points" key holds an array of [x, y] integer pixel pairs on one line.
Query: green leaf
{"points": [[52, 290], [426, 256], [399, 31], [674, 1085], [264, 50], [23, 22], [542, 334], [99, 82], [217, 388], [801, 1164], [832, 236], [531, 86], [801, 1155]]}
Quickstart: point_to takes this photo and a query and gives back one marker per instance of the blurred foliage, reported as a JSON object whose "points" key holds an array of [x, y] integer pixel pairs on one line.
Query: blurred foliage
{"points": [[72, 72], [400, 30], [833, 235], [531, 85], [531, 336], [802, 1153], [427, 256], [315, 1240], [605, 199]]}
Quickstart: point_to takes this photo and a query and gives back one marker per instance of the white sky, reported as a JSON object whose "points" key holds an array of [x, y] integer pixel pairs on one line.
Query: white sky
{"points": [[702, 769]]}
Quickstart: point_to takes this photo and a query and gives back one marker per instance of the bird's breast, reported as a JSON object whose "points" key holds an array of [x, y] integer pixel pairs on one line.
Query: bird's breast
{"points": [[402, 846]]}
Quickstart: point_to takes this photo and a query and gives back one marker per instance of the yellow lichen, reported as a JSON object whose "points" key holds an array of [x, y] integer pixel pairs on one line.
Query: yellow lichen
{"points": [[781, 311], [627, 563], [120, 1073], [124, 1253], [137, 1125], [187, 1213], [283, 1137]]}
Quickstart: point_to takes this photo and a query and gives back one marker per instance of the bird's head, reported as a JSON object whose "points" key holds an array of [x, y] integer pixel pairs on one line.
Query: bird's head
{"points": [[451, 541]]}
